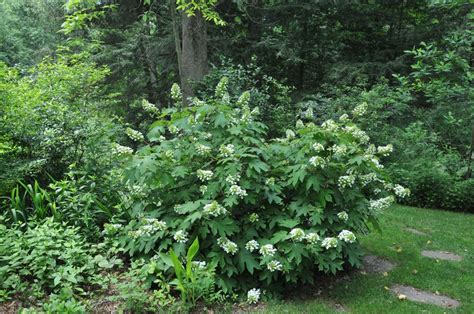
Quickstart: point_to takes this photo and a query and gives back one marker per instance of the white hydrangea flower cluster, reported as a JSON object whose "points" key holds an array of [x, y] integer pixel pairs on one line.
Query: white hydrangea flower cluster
{"points": [[297, 234], [312, 237], [317, 161], [328, 243], [221, 88], [330, 125], [214, 209], [344, 117], [122, 150], [347, 236], [309, 114], [253, 295], [199, 264], [381, 204], [401, 191], [227, 245], [204, 175], [360, 110], [173, 129], [180, 236], [274, 266], [227, 150], [233, 179], [357, 133], [176, 93], [346, 181], [134, 135], [267, 250], [318, 147], [253, 217], [252, 245], [202, 149], [203, 189], [343, 216], [238, 191], [299, 124], [338, 150], [149, 107], [368, 178], [150, 226], [290, 134], [111, 229], [385, 150], [270, 181], [243, 100], [247, 114]]}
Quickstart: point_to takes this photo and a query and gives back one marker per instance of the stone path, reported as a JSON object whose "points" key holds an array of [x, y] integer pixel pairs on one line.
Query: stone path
{"points": [[447, 256], [373, 264], [416, 295], [415, 231]]}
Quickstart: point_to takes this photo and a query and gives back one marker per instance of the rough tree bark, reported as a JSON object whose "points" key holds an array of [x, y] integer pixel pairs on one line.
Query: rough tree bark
{"points": [[193, 52]]}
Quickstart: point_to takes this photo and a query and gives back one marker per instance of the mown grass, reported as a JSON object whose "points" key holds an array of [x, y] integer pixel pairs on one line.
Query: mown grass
{"points": [[361, 293]]}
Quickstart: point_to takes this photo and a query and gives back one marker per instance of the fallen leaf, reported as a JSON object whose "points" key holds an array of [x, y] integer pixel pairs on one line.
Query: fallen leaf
{"points": [[363, 273], [414, 272], [402, 297], [386, 288], [428, 242], [385, 274], [437, 292]]}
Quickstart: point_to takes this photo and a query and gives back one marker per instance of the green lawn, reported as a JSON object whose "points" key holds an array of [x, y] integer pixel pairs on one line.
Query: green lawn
{"points": [[446, 231]]}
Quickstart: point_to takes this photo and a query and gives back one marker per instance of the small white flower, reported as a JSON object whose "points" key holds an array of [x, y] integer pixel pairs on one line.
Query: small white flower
{"points": [[173, 129], [339, 150], [227, 150], [317, 161], [243, 99], [309, 113], [401, 191], [381, 204], [297, 234], [181, 236], [253, 295], [204, 175], [344, 117], [347, 236], [343, 216], [199, 264], [346, 181], [385, 150], [274, 265], [227, 245], [176, 93], [360, 110], [232, 179], [122, 150], [238, 191], [134, 135], [149, 107], [270, 181], [267, 250], [330, 125], [329, 243], [214, 209], [318, 147], [299, 124], [368, 178], [203, 189], [290, 134], [202, 149], [312, 237], [252, 245], [253, 217]]}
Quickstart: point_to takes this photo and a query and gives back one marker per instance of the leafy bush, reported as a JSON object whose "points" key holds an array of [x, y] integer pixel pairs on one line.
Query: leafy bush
{"points": [[54, 116], [270, 95], [45, 257], [267, 212]]}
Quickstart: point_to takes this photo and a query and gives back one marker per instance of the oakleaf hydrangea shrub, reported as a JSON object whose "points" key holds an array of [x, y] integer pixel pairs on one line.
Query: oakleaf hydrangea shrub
{"points": [[266, 211]]}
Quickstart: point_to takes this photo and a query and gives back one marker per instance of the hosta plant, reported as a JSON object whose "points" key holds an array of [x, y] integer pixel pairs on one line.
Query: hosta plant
{"points": [[266, 211]]}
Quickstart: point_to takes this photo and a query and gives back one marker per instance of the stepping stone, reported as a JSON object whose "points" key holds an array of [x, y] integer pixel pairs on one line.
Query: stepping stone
{"points": [[427, 297], [441, 255], [414, 231], [374, 264]]}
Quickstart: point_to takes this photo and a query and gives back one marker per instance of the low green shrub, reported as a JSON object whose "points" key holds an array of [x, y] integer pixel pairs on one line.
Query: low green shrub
{"points": [[45, 257], [268, 212]]}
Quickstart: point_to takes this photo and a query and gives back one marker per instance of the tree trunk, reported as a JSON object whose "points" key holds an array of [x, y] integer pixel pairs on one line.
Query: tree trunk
{"points": [[193, 52]]}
